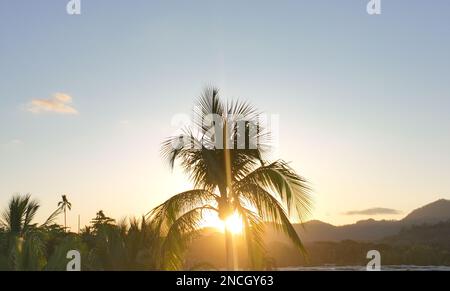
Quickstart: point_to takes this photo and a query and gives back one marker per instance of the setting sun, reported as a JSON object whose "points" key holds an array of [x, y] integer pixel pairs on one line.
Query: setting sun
{"points": [[234, 223]]}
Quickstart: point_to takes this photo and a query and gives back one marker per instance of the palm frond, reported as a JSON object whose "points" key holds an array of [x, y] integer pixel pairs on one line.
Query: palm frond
{"points": [[53, 216], [180, 234], [164, 215], [269, 210], [208, 104], [180, 146], [242, 109], [18, 216], [254, 231], [292, 189]]}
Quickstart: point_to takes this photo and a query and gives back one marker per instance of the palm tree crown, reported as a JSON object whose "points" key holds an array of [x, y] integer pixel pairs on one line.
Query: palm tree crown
{"points": [[18, 217], [24, 244], [233, 178]]}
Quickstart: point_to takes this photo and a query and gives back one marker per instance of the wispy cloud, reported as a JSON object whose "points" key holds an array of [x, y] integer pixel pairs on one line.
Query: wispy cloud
{"points": [[59, 103], [373, 211]]}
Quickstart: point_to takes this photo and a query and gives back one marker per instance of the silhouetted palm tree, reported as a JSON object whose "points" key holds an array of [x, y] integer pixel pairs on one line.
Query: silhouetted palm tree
{"points": [[25, 247], [64, 204], [20, 213], [228, 180]]}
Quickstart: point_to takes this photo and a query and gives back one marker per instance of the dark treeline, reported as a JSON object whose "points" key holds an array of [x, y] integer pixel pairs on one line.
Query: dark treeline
{"points": [[104, 245], [349, 252], [422, 245]]}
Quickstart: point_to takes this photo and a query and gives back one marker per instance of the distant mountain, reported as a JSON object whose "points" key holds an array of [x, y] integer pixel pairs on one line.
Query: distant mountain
{"points": [[430, 213], [370, 229], [365, 230], [316, 230]]}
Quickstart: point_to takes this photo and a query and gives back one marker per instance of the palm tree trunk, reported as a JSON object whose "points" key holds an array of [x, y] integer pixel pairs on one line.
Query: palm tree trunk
{"points": [[65, 224], [229, 246]]}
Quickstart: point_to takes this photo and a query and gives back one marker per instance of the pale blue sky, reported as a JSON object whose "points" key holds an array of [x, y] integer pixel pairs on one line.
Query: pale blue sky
{"points": [[363, 100]]}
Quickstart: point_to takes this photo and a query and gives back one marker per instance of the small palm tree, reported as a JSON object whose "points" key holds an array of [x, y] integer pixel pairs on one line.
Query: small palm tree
{"points": [[64, 204], [18, 217], [234, 179], [25, 245]]}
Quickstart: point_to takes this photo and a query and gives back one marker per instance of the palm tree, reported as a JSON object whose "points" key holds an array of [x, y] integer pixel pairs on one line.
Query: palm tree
{"points": [[24, 245], [19, 215], [230, 177], [64, 204]]}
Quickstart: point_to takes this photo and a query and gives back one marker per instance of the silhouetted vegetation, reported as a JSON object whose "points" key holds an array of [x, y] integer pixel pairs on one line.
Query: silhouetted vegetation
{"points": [[349, 252], [425, 244], [135, 244], [104, 245]]}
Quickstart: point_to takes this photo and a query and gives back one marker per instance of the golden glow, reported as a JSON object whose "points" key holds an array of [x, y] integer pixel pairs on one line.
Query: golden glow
{"points": [[234, 223]]}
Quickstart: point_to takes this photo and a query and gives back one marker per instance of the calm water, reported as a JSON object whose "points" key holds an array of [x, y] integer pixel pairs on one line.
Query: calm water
{"points": [[363, 268]]}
